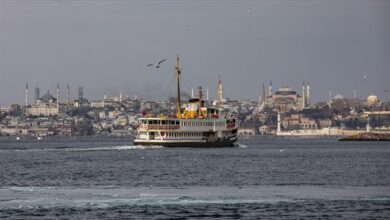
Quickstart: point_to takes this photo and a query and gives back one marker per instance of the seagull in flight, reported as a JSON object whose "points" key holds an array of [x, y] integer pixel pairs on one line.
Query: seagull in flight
{"points": [[158, 64]]}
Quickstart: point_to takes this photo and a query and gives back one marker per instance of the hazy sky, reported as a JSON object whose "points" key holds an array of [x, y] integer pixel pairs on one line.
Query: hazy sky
{"points": [[105, 46]]}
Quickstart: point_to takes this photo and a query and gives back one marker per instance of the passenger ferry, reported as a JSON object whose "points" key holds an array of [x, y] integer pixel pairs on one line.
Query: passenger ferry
{"points": [[194, 126]]}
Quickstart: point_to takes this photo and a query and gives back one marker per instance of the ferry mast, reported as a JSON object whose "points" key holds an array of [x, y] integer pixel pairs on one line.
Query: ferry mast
{"points": [[178, 86]]}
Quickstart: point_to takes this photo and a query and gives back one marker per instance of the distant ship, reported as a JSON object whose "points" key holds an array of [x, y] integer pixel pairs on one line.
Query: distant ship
{"points": [[194, 126]]}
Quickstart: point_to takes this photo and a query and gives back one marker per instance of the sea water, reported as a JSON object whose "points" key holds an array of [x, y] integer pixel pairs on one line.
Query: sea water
{"points": [[260, 178]]}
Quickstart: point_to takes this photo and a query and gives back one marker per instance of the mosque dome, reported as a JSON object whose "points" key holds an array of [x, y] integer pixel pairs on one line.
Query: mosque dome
{"points": [[372, 99], [338, 96], [48, 98], [285, 90]]}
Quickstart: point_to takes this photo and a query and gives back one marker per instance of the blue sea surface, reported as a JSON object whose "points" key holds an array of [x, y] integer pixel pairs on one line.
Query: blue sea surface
{"points": [[260, 178]]}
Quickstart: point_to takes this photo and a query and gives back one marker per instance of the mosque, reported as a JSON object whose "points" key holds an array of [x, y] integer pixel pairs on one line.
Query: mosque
{"points": [[46, 105], [284, 99]]}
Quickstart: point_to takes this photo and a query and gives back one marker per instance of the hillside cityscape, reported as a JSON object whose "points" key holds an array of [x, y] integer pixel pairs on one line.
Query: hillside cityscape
{"points": [[282, 111]]}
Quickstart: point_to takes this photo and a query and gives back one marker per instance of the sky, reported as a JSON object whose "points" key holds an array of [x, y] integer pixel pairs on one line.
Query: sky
{"points": [[104, 46]]}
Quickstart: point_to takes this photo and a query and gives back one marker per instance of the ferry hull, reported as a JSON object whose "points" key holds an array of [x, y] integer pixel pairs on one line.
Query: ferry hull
{"points": [[224, 143]]}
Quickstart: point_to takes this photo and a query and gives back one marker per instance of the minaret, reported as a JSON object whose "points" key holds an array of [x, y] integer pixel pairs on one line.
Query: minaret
{"points": [[330, 96], [27, 94], [192, 93], [220, 92], [263, 93], [58, 95], [67, 94], [207, 94], [354, 94], [303, 95], [270, 88], [308, 93], [120, 97], [260, 97]]}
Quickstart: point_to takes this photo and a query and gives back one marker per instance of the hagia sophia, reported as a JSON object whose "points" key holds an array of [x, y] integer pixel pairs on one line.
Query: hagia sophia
{"points": [[284, 99]]}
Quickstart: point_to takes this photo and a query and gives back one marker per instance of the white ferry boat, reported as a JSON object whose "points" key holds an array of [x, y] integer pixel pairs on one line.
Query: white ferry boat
{"points": [[194, 126]]}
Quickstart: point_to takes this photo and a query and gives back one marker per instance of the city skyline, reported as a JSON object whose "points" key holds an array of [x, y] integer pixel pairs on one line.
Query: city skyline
{"points": [[105, 47]]}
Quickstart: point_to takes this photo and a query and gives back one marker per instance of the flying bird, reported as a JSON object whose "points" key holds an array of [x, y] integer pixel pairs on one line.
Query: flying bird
{"points": [[158, 64]]}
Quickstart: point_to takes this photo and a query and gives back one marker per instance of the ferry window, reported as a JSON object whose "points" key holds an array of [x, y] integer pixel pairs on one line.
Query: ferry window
{"points": [[163, 122], [150, 122], [177, 122]]}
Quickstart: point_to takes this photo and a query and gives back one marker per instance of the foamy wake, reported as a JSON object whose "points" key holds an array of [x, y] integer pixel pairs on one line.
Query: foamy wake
{"points": [[48, 197], [106, 148], [240, 145], [131, 147]]}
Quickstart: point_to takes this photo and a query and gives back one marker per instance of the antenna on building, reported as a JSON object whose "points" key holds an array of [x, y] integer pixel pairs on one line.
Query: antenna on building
{"points": [[26, 94], [81, 93], [37, 94]]}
